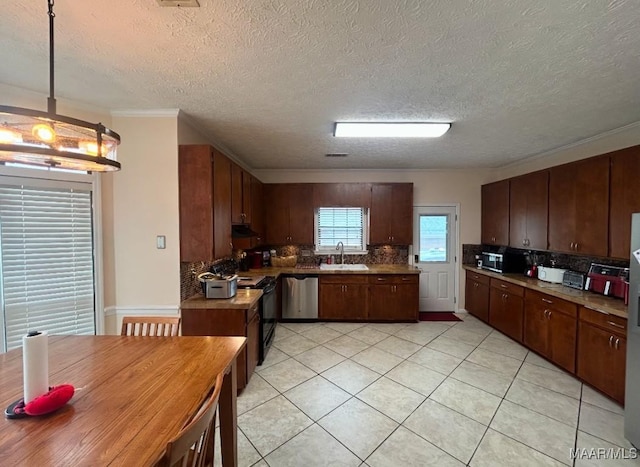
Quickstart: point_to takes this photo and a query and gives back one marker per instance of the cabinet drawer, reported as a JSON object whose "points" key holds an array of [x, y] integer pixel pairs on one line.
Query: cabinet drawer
{"points": [[343, 279], [480, 278], [551, 302], [507, 287], [394, 279], [609, 322]]}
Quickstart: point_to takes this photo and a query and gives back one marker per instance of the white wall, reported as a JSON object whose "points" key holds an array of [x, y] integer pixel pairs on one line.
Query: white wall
{"points": [[187, 134], [145, 204]]}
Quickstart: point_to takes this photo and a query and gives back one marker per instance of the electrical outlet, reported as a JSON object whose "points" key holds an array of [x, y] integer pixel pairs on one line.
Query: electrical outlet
{"points": [[161, 242]]}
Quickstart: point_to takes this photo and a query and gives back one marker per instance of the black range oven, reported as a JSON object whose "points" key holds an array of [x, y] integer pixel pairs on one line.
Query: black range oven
{"points": [[267, 309]]}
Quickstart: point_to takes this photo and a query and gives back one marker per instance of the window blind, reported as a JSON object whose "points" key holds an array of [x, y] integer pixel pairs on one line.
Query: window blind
{"points": [[47, 272], [345, 225]]}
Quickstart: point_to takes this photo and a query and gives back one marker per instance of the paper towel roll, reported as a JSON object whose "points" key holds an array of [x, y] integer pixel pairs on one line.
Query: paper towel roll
{"points": [[411, 255], [35, 365]]}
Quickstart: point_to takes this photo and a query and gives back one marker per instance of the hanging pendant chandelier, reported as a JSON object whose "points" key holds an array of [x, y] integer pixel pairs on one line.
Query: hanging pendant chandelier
{"points": [[38, 138]]}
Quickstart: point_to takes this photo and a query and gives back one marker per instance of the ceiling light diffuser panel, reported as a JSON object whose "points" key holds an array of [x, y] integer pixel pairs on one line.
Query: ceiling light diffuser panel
{"points": [[390, 130]]}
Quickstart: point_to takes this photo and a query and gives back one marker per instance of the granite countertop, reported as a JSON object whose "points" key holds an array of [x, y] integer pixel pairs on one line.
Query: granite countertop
{"points": [[373, 269], [597, 302], [244, 299]]}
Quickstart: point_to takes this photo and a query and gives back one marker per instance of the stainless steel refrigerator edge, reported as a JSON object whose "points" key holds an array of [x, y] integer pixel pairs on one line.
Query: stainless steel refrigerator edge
{"points": [[632, 388], [300, 297]]}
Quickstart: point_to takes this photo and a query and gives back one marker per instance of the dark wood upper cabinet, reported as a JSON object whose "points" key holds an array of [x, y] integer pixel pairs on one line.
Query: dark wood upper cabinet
{"points": [[529, 210], [391, 214], [204, 191], [290, 218], [495, 213], [579, 207], [240, 195], [300, 214], [341, 195], [625, 199], [257, 216]]}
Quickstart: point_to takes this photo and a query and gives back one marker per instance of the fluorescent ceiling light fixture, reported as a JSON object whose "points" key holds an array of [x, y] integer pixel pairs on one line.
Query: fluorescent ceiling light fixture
{"points": [[390, 130]]}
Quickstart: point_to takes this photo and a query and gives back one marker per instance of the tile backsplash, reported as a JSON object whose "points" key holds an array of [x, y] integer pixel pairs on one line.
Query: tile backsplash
{"points": [[189, 284], [377, 255], [577, 263]]}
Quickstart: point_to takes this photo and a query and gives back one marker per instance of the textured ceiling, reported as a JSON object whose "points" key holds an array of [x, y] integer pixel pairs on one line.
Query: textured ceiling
{"points": [[268, 78]]}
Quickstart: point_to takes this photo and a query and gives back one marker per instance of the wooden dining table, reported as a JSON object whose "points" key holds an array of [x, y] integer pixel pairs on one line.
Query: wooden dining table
{"points": [[132, 395]]}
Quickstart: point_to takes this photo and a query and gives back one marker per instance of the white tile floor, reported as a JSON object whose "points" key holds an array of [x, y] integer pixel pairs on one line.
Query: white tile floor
{"points": [[420, 394]]}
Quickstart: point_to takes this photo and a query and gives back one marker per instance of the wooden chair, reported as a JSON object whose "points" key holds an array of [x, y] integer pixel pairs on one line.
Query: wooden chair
{"points": [[150, 326], [194, 445]]}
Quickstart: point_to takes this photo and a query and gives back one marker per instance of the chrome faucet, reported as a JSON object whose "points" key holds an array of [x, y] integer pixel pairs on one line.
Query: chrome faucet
{"points": [[340, 246]]}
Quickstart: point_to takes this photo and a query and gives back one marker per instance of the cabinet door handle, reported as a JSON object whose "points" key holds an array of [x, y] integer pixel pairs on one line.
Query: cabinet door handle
{"points": [[610, 340], [395, 288], [545, 313], [617, 342], [524, 242], [616, 325], [405, 279], [549, 315], [577, 246], [475, 284], [571, 246], [381, 279], [504, 286], [547, 300]]}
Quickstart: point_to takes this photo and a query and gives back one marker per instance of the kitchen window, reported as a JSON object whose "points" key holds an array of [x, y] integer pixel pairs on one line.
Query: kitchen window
{"points": [[47, 277], [346, 225]]}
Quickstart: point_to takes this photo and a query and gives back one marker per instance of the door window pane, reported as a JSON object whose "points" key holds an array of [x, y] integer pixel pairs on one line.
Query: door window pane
{"points": [[434, 238]]}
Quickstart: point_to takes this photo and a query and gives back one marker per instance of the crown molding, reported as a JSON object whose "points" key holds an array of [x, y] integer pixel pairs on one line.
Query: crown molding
{"points": [[145, 113], [566, 147]]}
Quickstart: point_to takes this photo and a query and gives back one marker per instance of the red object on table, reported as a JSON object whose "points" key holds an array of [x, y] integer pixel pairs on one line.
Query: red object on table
{"points": [[53, 400]]}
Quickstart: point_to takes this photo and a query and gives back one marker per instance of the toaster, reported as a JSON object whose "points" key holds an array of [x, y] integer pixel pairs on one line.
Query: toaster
{"points": [[573, 279], [218, 286]]}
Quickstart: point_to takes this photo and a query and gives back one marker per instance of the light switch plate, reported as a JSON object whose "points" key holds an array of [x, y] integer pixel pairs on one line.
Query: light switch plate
{"points": [[161, 242]]}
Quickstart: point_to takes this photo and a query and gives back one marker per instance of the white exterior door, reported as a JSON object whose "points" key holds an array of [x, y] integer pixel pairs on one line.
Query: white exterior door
{"points": [[434, 245]]}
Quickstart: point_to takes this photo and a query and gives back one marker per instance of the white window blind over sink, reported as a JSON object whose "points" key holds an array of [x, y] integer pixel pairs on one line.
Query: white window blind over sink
{"points": [[347, 225], [47, 273]]}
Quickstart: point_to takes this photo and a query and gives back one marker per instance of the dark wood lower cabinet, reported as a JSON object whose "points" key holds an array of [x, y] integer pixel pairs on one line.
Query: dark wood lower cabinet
{"points": [[358, 297], [253, 344], [602, 352], [506, 308], [227, 322], [343, 297], [588, 343], [550, 328], [477, 295], [393, 298]]}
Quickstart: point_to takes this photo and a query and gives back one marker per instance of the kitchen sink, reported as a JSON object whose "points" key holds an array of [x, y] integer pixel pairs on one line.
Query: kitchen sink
{"points": [[344, 267]]}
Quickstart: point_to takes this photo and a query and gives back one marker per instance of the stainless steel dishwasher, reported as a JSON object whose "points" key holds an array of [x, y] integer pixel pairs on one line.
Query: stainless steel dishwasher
{"points": [[300, 297]]}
